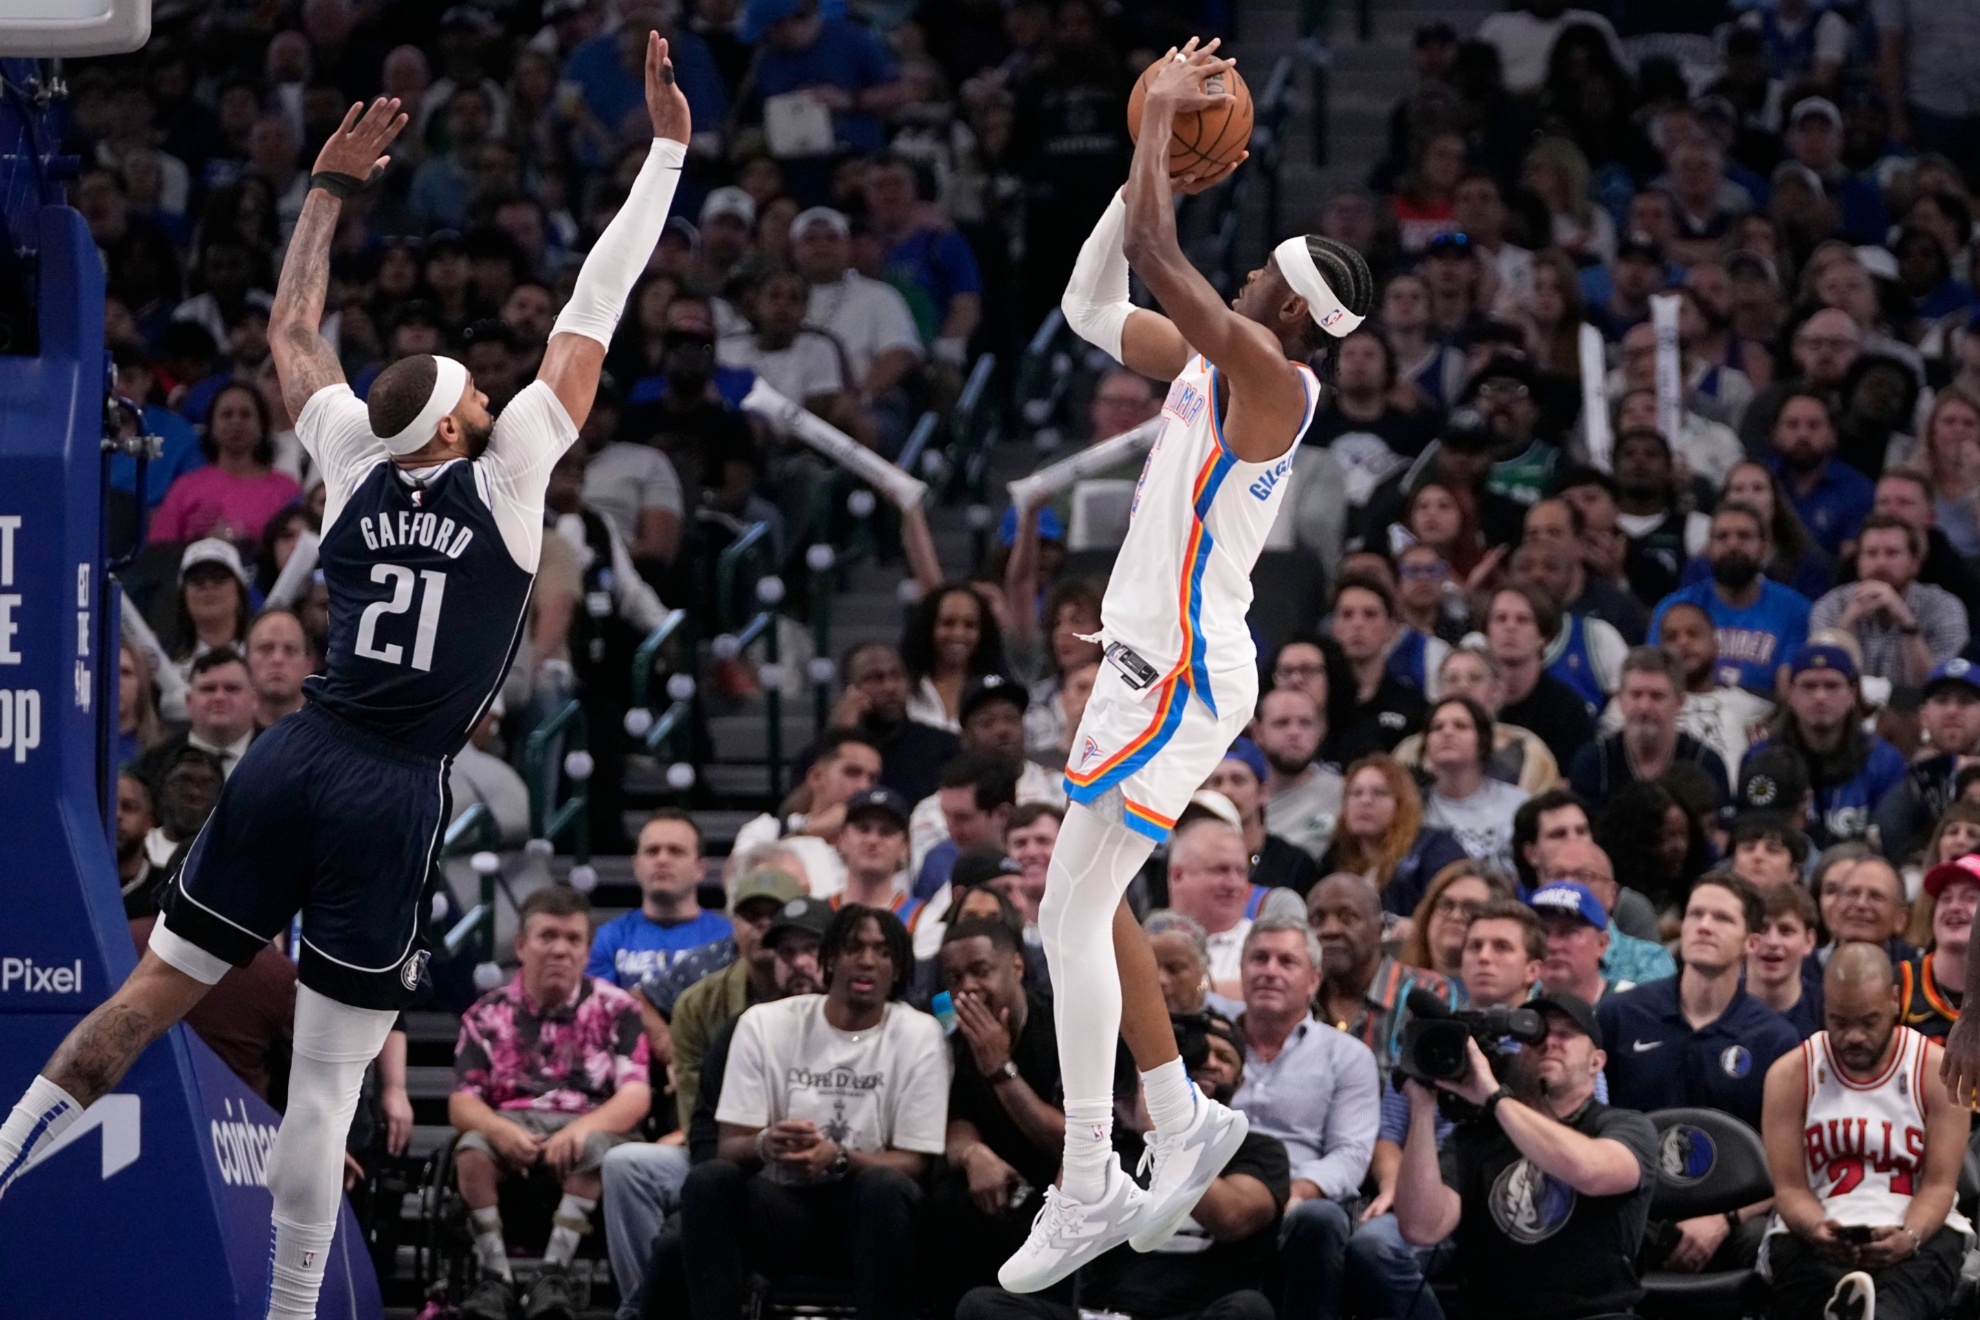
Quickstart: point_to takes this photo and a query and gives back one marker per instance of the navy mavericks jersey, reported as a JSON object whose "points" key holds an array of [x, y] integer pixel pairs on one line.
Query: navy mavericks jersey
{"points": [[429, 571]]}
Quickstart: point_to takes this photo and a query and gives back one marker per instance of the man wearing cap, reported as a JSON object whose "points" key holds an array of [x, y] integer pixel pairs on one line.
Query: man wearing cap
{"points": [[220, 705], [844, 761], [869, 318], [873, 843], [1275, 861], [1769, 843], [728, 216], [1523, 464], [1578, 936], [1932, 985], [1949, 722], [1815, 139], [1638, 272], [1902, 626], [1758, 622], [777, 934], [709, 986], [1851, 770], [1548, 1193], [991, 713]]}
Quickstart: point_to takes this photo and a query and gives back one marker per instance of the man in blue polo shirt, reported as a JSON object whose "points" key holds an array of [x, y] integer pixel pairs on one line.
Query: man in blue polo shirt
{"points": [[669, 922], [1832, 497], [1757, 621], [1698, 1039]]}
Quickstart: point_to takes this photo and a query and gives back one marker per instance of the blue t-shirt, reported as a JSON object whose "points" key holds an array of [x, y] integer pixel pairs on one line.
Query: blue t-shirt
{"points": [[1843, 810], [630, 948], [1657, 1060], [845, 55], [733, 384], [1753, 641], [179, 454], [929, 267], [1835, 509], [614, 96]]}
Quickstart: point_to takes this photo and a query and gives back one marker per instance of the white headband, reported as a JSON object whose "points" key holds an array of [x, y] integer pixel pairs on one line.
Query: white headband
{"points": [[449, 382], [1296, 264]]}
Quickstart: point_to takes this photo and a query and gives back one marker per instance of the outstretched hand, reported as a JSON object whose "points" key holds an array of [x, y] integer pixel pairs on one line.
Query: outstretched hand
{"points": [[1180, 83], [664, 99], [357, 148]]}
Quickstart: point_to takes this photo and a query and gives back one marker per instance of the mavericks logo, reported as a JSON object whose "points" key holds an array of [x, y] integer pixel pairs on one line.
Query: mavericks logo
{"points": [[1528, 1205], [414, 965]]}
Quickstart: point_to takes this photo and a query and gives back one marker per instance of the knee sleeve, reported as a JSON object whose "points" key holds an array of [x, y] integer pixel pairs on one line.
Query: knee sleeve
{"points": [[334, 1044]]}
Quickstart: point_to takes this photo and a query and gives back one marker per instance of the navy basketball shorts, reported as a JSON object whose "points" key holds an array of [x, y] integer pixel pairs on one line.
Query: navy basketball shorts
{"points": [[338, 824]]}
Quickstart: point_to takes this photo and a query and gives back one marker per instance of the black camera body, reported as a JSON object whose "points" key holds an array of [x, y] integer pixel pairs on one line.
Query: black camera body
{"points": [[1436, 1039]]}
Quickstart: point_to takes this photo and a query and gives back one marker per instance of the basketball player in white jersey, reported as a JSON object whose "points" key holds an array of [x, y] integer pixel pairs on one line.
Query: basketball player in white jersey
{"points": [[1181, 677], [431, 536], [1865, 1144]]}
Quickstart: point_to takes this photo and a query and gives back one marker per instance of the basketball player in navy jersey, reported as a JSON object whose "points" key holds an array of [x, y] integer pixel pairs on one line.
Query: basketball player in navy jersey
{"points": [[1181, 676], [432, 529]]}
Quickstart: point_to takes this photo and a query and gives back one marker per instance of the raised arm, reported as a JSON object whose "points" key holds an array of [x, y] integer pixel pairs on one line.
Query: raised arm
{"points": [[1263, 383], [353, 157], [576, 352]]}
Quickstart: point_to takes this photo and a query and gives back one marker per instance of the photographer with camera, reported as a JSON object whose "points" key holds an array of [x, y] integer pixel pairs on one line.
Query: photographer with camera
{"points": [[1548, 1189]]}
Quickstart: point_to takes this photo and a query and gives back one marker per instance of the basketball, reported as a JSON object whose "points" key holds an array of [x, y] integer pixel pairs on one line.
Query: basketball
{"points": [[1202, 138]]}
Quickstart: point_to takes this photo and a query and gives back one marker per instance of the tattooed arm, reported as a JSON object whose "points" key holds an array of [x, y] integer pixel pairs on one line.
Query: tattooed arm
{"points": [[304, 362]]}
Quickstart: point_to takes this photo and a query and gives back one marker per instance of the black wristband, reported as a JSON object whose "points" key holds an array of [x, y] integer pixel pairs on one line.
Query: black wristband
{"points": [[1491, 1105], [341, 186]]}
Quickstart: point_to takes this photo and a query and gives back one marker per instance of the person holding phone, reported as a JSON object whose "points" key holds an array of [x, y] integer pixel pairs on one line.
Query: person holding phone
{"points": [[1865, 1143]]}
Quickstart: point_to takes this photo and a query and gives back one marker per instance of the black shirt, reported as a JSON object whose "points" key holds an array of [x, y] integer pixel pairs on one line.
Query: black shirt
{"points": [[973, 1099], [1604, 600], [1555, 714], [1185, 1276], [1530, 1246], [1377, 724], [1601, 769], [1927, 1006]]}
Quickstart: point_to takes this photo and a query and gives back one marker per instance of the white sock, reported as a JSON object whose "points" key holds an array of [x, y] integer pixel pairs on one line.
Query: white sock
{"points": [[490, 1251], [1092, 864], [571, 1222], [1171, 1096], [43, 1114], [301, 1252]]}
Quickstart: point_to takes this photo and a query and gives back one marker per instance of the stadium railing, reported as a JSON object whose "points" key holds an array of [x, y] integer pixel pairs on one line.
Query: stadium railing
{"points": [[975, 425], [670, 730], [754, 546], [552, 822], [474, 831]]}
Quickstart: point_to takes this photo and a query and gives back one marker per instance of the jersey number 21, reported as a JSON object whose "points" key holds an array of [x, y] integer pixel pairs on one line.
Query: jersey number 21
{"points": [[433, 589]]}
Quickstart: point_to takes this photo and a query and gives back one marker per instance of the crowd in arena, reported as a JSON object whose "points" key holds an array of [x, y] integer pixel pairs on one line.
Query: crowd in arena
{"points": [[1645, 692]]}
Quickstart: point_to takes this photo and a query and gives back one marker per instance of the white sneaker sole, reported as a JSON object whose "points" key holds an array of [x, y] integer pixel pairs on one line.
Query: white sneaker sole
{"points": [[1158, 1224]]}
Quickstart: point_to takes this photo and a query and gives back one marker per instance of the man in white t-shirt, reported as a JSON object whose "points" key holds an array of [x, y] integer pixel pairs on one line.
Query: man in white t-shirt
{"points": [[868, 317], [802, 364], [1719, 717], [831, 1107], [845, 762], [633, 485]]}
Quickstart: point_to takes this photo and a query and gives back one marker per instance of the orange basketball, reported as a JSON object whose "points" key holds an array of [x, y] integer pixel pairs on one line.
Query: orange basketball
{"points": [[1202, 138]]}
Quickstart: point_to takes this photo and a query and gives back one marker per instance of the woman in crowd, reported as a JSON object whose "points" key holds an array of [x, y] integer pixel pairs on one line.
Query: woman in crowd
{"points": [[1464, 798], [139, 728], [951, 638], [213, 604], [1435, 938], [1427, 597], [1182, 962], [238, 490], [1556, 172], [1436, 517], [1956, 834], [1518, 756], [278, 542], [639, 345], [1381, 837], [1554, 315], [1422, 205], [1656, 847], [1043, 662], [1797, 561], [1950, 457]]}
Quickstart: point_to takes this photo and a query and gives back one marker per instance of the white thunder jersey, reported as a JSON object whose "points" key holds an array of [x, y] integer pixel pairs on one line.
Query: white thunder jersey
{"points": [[1863, 1143], [1181, 588]]}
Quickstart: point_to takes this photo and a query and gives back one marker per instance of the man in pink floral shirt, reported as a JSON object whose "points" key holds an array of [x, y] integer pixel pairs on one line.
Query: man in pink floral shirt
{"points": [[550, 1073]]}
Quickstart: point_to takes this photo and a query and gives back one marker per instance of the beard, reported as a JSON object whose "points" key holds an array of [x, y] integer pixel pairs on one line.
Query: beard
{"points": [[476, 438], [1286, 765], [1735, 571]]}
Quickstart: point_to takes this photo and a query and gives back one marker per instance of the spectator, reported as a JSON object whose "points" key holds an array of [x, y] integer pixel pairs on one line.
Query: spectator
{"points": [[1775, 963], [1518, 627], [1182, 963], [814, 1170], [1630, 958], [1949, 456], [1586, 654], [213, 607], [1363, 989], [1639, 271], [1360, 421], [481, 777], [950, 638], [1651, 699], [1814, 139], [1876, 1072], [1903, 627], [1065, 665], [1433, 611], [1381, 835], [139, 728], [669, 923], [238, 490], [801, 363], [777, 933], [1717, 717], [1241, 777], [1209, 874], [634, 487], [1932, 985], [550, 1073], [1759, 623], [1850, 769], [1385, 709], [137, 875], [1419, 356], [179, 451], [1906, 495], [869, 318], [220, 705], [1438, 922], [1824, 348], [690, 420], [1555, 522], [1422, 203], [843, 763], [875, 704], [1464, 799], [1831, 497], [974, 805], [1578, 936], [1605, 1159], [278, 659], [827, 59], [1302, 798], [992, 715], [929, 263], [1519, 757], [1523, 464], [1861, 897], [873, 843]]}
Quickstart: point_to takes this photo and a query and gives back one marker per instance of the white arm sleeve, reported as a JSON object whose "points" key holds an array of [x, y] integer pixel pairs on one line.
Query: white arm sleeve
{"points": [[620, 255], [1096, 299]]}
